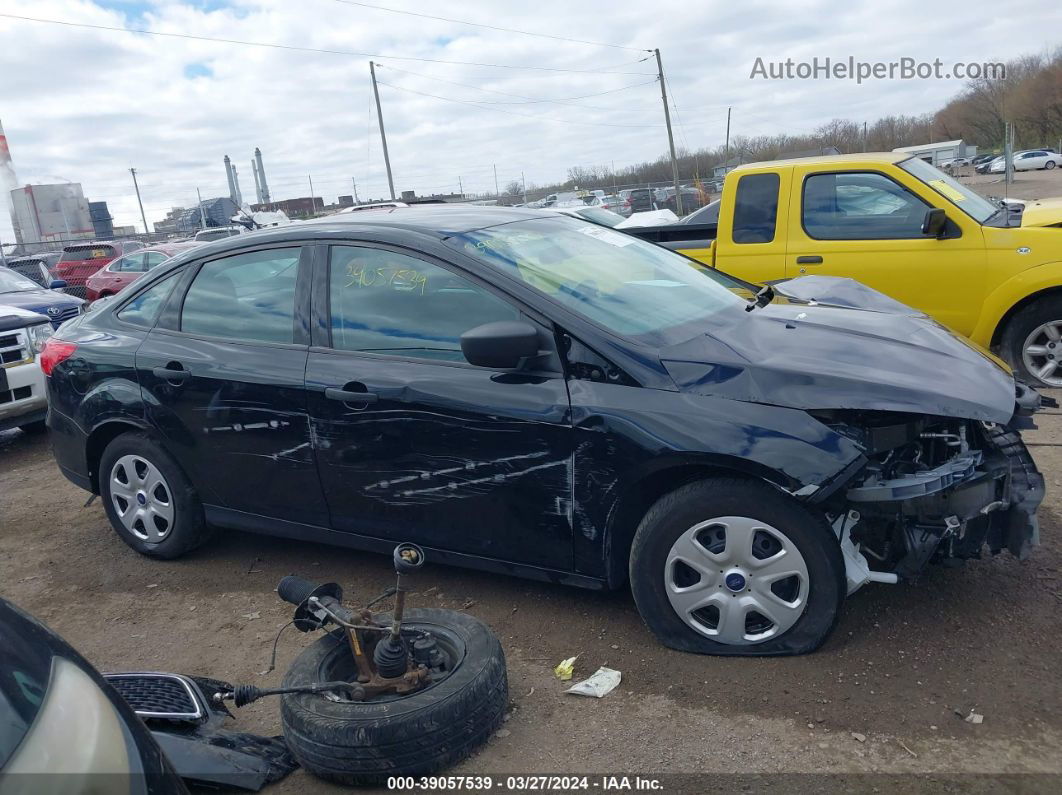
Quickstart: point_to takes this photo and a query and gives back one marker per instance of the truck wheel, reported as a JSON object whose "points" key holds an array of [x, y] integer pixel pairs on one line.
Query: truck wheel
{"points": [[150, 502], [733, 567], [365, 742], [1032, 342]]}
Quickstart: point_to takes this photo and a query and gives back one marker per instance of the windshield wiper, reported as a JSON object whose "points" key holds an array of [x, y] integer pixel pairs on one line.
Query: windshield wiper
{"points": [[763, 297]]}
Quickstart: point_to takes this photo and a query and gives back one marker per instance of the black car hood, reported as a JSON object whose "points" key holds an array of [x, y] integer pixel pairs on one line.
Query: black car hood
{"points": [[817, 356]]}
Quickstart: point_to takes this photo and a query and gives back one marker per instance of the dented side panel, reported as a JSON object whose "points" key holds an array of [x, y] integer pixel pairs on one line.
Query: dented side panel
{"points": [[624, 434]]}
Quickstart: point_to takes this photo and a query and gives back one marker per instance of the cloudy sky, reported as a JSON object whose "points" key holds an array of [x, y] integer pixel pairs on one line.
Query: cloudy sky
{"points": [[85, 105]]}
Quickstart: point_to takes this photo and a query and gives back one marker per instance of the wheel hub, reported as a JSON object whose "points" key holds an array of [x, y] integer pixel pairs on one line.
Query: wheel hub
{"points": [[736, 580], [1041, 351]]}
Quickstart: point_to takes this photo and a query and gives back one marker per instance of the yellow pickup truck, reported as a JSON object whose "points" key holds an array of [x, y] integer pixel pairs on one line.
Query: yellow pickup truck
{"points": [[897, 224]]}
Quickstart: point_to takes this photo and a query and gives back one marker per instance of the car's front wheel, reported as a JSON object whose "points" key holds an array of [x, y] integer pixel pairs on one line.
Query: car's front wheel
{"points": [[149, 501], [1032, 342], [1049, 164], [725, 566]]}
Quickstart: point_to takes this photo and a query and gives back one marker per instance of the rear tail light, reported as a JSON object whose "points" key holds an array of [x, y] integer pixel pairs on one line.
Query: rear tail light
{"points": [[55, 352]]}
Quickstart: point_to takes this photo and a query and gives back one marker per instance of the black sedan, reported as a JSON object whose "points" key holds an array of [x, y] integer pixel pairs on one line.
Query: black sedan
{"points": [[549, 398]]}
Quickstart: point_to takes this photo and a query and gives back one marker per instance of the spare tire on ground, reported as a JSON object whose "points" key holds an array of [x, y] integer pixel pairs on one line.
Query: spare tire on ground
{"points": [[352, 742]]}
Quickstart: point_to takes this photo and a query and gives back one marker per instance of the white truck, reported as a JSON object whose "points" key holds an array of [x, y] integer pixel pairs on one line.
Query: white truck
{"points": [[23, 400]]}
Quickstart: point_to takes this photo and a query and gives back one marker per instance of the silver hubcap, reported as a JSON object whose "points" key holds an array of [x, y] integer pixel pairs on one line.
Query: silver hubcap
{"points": [[736, 580], [141, 498], [1042, 352]]}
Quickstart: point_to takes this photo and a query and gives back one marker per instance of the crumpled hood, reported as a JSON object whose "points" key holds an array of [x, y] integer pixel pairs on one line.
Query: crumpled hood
{"points": [[832, 357], [1042, 212]]}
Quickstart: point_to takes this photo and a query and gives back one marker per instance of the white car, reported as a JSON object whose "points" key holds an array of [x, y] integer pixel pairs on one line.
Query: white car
{"points": [[1028, 161], [23, 400]]}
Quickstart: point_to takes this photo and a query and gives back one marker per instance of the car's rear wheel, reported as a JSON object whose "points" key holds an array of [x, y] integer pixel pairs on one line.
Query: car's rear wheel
{"points": [[1032, 342], [1049, 164], [725, 566], [149, 501]]}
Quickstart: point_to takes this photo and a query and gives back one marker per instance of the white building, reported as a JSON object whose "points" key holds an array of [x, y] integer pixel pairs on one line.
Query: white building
{"points": [[939, 152], [50, 213]]}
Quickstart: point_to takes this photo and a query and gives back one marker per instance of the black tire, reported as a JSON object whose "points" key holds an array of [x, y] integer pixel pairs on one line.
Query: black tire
{"points": [[675, 513], [366, 742], [1020, 326], [189, 528], [34, 428]]}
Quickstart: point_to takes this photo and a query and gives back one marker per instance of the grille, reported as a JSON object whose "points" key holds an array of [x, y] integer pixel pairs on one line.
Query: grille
{"points": [[12, 349], [66, 314], [11, 395], [157, 695]]}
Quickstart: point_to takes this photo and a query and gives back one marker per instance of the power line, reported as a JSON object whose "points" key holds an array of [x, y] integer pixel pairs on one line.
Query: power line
{"points": [[295, 48], [527, 100], [513, 113], [492, 27]]}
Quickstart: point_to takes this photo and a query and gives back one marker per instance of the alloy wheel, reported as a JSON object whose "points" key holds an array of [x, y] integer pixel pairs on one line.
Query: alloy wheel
{"points": [[736, 580], [1042, 352], [141, 498]]}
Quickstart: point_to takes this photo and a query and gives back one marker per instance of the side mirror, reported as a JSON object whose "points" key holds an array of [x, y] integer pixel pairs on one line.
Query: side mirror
{"points": [[56, 284], [934, 222], [502, 345]]}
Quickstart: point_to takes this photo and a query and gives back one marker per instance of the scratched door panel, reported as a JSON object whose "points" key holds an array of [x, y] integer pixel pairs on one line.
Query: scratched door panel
{"points": [[453, 457], [238, 420]]}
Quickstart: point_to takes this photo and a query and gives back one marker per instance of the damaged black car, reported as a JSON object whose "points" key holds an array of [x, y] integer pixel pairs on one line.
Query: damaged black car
{"points": [[545, 397]]}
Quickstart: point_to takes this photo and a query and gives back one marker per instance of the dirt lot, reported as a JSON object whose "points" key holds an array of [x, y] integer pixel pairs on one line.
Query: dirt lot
{"points": [[1026, 185], [902, 662]]}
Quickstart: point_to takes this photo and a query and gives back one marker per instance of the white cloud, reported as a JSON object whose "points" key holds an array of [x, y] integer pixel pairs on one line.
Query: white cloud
{"points": [[86, 105]]}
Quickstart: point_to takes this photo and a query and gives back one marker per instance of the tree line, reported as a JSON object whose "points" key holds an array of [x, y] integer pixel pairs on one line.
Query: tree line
{"points": [[1030, 97]]}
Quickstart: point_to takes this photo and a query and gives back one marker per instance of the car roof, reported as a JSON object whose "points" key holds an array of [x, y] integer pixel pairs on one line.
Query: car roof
{"points": [[830, 160], [437, 219]]}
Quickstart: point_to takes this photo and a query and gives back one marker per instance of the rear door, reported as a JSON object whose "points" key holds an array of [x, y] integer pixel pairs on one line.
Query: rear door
{"points": [[455, 457], [751, 238], [223, 372]]}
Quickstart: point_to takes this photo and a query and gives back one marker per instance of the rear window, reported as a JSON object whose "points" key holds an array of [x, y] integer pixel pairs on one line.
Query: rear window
{"points": [[756, 208], [78, 253]]}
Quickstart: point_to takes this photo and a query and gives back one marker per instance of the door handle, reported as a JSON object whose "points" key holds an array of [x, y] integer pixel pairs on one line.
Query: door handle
{"points": [[347, 396], [809, 259], [172, 374]]}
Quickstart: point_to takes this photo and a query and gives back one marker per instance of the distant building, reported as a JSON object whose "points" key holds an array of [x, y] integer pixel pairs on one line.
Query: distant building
{"points": [[346, 201], [189, 220], [940, 152], [168, 225], [102, 222], [303, 207], [45, 214], [124, 231]]}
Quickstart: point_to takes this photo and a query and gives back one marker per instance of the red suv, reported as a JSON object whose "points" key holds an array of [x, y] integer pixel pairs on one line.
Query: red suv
{"points": [[81, 260], [126, 269]]}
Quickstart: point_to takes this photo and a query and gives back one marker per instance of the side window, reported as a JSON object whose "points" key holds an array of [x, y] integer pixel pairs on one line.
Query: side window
{"points": [[153, 258], [133, 263], [860, 206], [388, 303], [145, 308], [246, 297], [756, 208]]}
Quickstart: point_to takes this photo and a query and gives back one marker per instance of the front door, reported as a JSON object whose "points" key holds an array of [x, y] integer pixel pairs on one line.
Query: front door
{"points": [[867, 226], [222, 375], [440, 452]]}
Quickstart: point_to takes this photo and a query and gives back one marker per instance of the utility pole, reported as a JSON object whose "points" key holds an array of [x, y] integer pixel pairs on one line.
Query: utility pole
{"points": [[202, 217], [865, 137], [615, 183], [670, 135], [497, 190], [726, 151], [524, 183], [460, 187], [383, 135], [355, 184], [138, 201], [313, 204]]}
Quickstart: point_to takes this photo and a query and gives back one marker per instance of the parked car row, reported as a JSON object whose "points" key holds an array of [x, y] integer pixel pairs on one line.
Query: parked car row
{"points": [[1029, 160]]}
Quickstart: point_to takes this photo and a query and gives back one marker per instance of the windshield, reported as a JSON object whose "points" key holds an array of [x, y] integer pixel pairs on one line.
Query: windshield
{"points": [[11, 282], [624, 284], [975, 206]]}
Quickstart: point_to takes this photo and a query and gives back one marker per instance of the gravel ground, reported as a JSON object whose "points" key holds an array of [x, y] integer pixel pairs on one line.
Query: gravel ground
{"points": [[880, 697]]}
